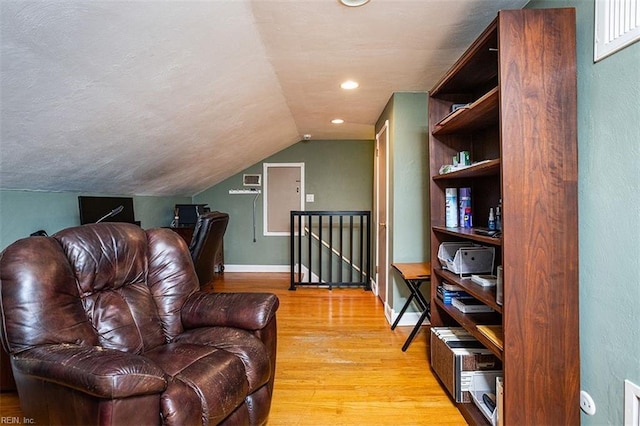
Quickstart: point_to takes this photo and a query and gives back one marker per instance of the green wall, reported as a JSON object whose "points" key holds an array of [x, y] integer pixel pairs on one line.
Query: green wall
{"points": [[410, 184], [609, 218], [24, 212], [338, 173], [409, 236]]}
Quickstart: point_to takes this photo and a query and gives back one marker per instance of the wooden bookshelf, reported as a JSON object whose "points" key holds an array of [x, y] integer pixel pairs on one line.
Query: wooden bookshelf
{"points": [[518, 80]]}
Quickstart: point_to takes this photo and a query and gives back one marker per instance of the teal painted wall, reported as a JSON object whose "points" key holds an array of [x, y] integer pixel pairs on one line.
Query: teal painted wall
{"points": [[409, 236], [338, 173], [609, 218], [24, 212], [410, 184]]}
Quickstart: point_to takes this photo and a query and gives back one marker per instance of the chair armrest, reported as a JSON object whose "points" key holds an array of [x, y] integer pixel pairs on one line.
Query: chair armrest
{"points": [[248, 311], [104, 373]]}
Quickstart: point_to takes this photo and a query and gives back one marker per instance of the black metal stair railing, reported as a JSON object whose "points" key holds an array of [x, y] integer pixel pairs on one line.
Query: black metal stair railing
{"points": [[330, 248]]}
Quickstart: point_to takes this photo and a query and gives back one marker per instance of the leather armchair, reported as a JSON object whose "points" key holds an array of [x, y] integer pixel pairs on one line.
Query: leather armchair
{"points": [[105, 324]]}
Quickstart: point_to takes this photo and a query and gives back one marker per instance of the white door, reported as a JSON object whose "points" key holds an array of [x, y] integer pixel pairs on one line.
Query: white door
{"points": [[283, 192], [382, 207]]}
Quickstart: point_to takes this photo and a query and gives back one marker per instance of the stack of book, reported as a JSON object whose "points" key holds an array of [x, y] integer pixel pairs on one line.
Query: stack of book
{"points": [[447, 292]]}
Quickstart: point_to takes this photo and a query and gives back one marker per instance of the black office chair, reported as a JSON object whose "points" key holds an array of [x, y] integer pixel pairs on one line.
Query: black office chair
{"points": [[206, 244]]}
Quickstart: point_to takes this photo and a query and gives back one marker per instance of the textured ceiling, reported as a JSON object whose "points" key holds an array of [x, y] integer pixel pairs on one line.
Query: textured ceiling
{"points": [[172, 97]]}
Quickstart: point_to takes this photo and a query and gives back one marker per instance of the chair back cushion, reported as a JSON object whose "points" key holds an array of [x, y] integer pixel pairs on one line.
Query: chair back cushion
{"points": [[111, 284], [40, 303], [207, 242]]}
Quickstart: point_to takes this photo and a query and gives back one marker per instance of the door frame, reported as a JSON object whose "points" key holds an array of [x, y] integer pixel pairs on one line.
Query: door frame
{"points": [[384, 269], [265, 198]]}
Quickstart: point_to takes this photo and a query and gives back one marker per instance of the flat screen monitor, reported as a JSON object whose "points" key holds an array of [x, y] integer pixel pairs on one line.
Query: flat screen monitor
{"points": [[92, 209]]}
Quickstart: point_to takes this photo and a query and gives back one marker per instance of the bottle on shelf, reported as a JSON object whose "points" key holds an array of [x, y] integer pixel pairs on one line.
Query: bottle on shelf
{"points": [[465, 208], [468, 218], [499, 216], [492, 219], [451, 206]]}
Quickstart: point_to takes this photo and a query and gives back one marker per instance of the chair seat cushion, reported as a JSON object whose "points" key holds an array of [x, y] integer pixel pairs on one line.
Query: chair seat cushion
{"points": [[203, 381], [211, 371], [241, 343]]}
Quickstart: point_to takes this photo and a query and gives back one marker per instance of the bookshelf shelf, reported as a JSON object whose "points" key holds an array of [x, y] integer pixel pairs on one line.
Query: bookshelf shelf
{"points": [[485, 168], [487, 295], [479, 114], [469, 322], [468, 234]]}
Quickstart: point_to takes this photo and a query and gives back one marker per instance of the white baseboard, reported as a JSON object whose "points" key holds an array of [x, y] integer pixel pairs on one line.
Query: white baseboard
{"points": [[409, 319], [257, 268], [374, 287]]}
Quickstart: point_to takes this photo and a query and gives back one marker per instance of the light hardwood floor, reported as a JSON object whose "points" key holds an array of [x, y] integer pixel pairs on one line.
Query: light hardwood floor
{"points": [[339, 363]]}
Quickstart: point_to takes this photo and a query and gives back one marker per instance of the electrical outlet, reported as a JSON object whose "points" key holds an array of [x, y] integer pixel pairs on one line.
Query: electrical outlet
{"points": [[586, 403]]}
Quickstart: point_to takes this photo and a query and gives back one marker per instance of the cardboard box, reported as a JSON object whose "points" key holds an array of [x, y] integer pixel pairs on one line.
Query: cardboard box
{"points": [[455, 356]]}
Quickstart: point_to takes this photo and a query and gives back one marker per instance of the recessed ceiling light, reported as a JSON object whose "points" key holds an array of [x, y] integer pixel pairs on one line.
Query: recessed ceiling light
{"points": [[337, 121], [349, 85], [354, 3]]}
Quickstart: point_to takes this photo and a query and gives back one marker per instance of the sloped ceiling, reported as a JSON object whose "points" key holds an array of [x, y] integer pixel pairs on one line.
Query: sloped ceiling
{"points": [[172, 97]]}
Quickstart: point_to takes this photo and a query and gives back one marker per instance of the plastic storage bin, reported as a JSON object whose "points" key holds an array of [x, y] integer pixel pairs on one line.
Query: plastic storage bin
{"points": [[465, 258], [484, 382]]}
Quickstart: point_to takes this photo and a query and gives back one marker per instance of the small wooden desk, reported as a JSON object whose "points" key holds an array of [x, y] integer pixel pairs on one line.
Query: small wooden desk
{"points": [[186, 232], [414, 274]]}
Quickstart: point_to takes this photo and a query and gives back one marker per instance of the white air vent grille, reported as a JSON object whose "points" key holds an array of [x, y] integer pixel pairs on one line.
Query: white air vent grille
{"points": [[617, 24]]}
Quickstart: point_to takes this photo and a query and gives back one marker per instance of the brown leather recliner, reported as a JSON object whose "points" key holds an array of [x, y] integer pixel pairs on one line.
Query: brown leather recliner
{"points": [[105, 324]]}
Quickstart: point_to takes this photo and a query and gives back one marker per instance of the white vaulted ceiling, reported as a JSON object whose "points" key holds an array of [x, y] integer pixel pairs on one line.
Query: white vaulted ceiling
{"points": [[172, 97]]}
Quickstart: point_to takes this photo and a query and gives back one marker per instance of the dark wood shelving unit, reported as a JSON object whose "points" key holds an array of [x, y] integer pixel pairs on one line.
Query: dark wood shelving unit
{"points": [[519, 81]]}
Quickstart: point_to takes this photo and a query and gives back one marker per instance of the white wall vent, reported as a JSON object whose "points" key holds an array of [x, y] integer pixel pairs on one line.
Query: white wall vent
{"points": [[617, 24]]}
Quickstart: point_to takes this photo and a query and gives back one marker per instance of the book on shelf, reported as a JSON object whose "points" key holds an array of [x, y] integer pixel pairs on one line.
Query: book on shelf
{"points": [[447, 295], [450, 293], [450, 287], [494, 333], [452, 333], [470, 305]]}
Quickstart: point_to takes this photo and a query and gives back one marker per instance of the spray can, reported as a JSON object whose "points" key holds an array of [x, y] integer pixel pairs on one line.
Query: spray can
{"points": [[465, 208], [468, 218], [492, 219], [451, 207]]}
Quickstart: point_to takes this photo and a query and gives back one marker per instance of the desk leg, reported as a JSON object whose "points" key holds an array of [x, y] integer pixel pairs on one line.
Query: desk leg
{"points": [[414, 287], [426, 313], [403, 310]]}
